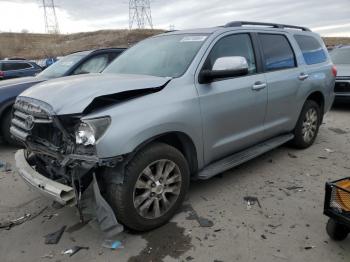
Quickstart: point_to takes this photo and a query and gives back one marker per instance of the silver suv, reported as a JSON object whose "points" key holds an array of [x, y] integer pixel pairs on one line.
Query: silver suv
{"points": [[178, 106]]}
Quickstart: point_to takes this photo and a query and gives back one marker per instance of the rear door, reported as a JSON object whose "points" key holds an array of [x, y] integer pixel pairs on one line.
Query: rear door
{"points": [[233, 110], [283, 80]]}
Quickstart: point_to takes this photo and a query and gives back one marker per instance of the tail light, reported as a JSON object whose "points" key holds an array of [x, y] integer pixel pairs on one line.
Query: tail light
{"points": [[334, 71], [2, 74]]}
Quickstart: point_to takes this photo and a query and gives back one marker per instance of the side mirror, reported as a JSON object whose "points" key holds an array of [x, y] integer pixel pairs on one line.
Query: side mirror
{"points": [[225, 67]]}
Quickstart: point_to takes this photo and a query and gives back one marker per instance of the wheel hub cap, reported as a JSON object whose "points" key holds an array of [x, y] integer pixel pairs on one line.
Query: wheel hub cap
{"points": [[310, 125], [157, 188]]}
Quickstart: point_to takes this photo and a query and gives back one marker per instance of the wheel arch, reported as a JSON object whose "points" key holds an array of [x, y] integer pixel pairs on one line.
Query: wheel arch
{"points": [[319, 98], [180, 141]]}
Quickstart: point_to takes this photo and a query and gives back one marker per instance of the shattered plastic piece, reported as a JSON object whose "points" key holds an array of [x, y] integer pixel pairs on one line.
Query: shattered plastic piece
{"points": [[54, 238], [9, 224], [73, 250], [309, 247], [251, 200], [329, 150], [112, 244]]}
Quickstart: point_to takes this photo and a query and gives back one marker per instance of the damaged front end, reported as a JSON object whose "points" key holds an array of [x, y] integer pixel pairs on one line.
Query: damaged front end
{"points": [[60, 158]]}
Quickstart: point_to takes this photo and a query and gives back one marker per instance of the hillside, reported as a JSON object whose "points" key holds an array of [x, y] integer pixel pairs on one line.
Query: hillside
{"points": [[36, 46]]}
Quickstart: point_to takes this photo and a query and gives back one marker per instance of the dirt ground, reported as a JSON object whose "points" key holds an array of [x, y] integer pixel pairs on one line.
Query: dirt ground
{"points": [[214, 223]]}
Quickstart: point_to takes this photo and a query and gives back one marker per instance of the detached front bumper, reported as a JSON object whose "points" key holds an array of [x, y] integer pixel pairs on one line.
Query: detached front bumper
{"points": [[59, 192]]}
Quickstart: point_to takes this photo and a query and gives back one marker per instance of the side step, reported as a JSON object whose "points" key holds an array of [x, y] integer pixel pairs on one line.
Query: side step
{"points": [[243, 156]]}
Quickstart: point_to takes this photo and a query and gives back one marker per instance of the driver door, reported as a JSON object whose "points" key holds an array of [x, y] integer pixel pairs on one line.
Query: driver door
{"points": [[233, 109]]}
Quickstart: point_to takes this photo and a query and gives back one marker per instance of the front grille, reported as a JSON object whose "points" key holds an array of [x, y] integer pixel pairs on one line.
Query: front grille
{"points": [[31, 119], [342, 87]]}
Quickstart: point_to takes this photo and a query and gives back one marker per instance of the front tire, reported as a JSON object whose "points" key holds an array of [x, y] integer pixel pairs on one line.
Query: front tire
{"points": [[308, 124], [155, 183], [5, 128]]}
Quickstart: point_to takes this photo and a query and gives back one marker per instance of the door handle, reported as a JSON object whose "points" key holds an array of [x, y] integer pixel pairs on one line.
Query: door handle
{"points": [[258, 86], [303, 76]]}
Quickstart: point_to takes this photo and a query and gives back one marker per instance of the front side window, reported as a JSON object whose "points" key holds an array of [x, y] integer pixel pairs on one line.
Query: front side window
{"points": [[341, 56], [94, 65], [312, 50], [233, 45], [165, 56], [277, 51]]}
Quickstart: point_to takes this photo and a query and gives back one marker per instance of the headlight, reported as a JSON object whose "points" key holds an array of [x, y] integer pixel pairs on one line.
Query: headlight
{"points": [[90, 130]]}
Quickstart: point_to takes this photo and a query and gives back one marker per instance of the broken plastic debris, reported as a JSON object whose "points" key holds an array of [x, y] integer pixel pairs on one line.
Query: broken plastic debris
{"points": [[54, 238], [309, 247], [15, 222], [112, 244], [329, 150], [251, 200], [73, 250]]}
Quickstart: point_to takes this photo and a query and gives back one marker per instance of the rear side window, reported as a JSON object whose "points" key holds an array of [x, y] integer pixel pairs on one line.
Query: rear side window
{"points": [[278, 53], [312, 50], [15, 66]]}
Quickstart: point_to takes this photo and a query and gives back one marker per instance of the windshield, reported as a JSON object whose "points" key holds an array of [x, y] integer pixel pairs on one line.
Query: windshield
{"points": [[61, 67], [165, 56], [341, 56]]}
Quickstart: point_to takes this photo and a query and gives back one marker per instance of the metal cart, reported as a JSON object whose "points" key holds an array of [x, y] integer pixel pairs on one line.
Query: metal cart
{"points": [[337, 208]]}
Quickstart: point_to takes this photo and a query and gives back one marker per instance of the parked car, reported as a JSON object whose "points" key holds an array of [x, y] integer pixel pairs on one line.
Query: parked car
{"points": [[18, 68], [93, 61], [341, 58], [178, 106]]}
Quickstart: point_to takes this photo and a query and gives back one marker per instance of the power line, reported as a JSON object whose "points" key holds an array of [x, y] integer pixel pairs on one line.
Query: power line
{"points": [[50, 17], [140, 14]]}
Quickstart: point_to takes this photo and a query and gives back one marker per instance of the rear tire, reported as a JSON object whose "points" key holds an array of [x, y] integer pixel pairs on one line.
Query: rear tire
{"points": [[5, 128], [144, 177], [308, 124], [336, 231]]}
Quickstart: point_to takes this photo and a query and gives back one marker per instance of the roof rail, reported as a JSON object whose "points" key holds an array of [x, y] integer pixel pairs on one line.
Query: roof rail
{"points": [[281, 26]]}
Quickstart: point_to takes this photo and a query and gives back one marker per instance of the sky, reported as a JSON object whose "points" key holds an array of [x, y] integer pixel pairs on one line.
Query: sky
{"points": [[328, 18]]}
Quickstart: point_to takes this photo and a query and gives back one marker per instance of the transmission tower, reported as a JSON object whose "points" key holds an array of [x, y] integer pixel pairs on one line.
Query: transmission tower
{"points": [[51, 22], [140, 14]]}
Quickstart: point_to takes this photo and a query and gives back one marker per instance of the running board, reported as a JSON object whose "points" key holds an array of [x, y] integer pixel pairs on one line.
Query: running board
{"points": [[243, 156]]}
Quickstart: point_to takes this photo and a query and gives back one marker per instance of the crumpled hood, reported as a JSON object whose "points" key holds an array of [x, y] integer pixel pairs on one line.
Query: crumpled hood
{"points": [[343, 70], [71, 95], [4, 84]]}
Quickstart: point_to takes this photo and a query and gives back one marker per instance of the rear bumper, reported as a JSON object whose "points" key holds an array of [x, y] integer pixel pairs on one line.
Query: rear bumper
{"points": [[59, 192]]}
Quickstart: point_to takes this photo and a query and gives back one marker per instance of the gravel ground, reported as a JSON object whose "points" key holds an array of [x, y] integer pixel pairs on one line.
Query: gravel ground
{"points": [[214, 223]]}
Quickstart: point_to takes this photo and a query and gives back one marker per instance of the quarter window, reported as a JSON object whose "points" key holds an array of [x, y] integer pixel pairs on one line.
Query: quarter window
{"points": [[312, 50], [278, 53], [233, 45]]}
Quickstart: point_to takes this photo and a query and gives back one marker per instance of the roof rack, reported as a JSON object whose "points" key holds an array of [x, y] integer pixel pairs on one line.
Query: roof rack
{"points": [[273, 25]]}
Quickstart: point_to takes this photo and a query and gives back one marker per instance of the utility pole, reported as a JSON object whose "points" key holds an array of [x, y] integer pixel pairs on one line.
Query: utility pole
{"points": [[50, 17], [140, 14]]}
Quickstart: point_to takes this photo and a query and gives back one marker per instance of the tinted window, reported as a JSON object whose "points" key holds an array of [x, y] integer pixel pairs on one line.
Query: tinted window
{"points": [[277, 52], [15, 66], [233, 45], [312, 50], [341, 56]]}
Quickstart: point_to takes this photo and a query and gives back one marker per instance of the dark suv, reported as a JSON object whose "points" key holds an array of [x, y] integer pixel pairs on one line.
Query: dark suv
{"points": [[93, 61], [18, 68]]}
